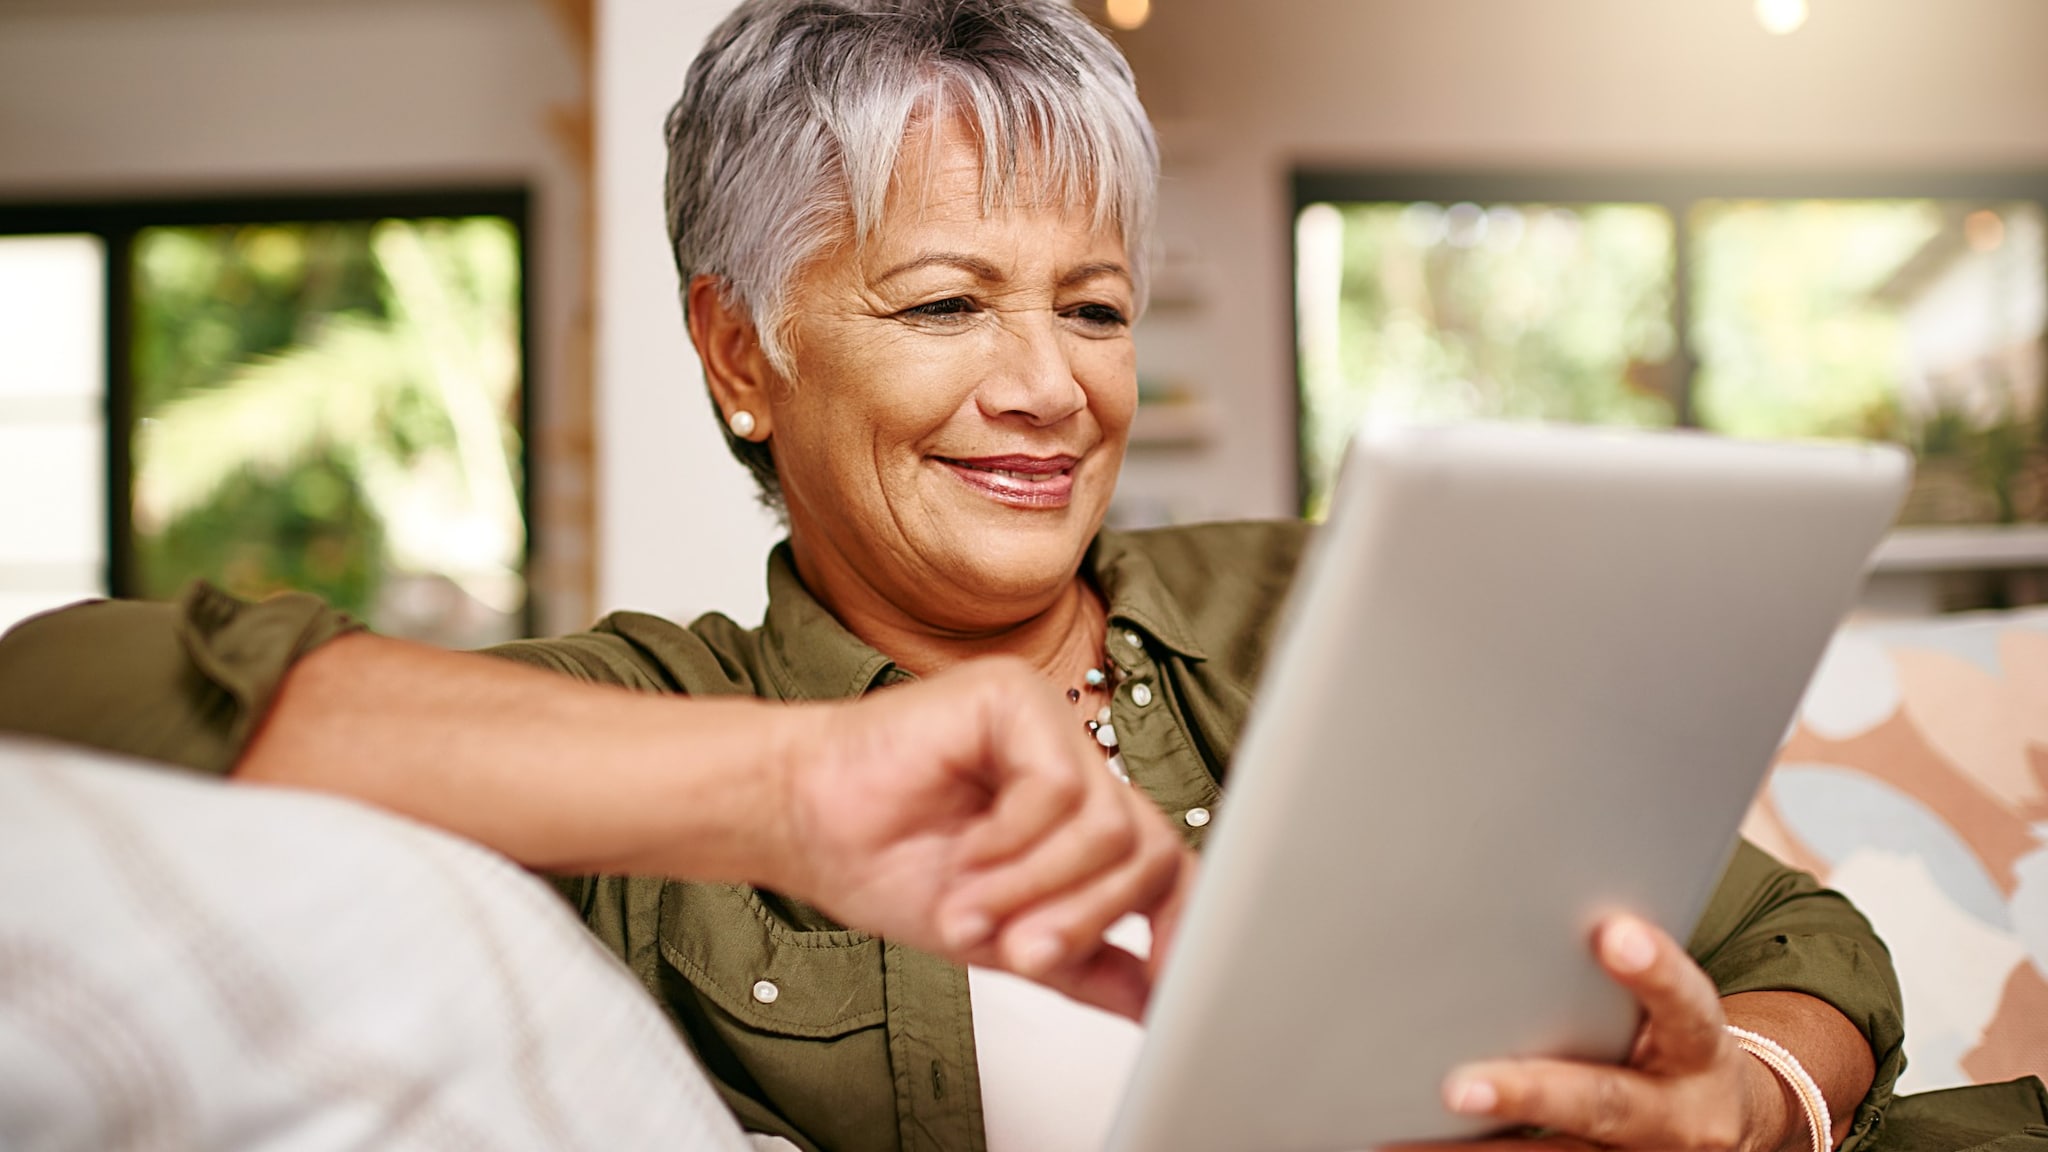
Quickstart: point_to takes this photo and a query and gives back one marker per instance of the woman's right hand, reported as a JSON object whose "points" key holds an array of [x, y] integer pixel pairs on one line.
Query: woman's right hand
{"points": [[969, 816]]}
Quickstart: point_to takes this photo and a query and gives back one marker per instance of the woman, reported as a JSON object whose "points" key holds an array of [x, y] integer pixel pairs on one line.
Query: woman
{"points": [[910, 234]]}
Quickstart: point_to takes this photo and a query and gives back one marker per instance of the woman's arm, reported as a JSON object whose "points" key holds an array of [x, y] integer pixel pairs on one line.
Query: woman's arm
{"points": [[930, 813], [1831, 1049], [182, 683], [1772, 929], [963, 815], [558, 775]]}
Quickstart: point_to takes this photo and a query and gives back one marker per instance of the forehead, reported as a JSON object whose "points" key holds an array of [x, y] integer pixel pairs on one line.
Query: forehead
{"points": [[938, 188]]}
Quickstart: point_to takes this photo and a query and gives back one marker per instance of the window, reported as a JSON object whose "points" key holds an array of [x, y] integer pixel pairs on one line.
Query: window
{"points": [[53, 540], [1904, 310], [328, 396]]}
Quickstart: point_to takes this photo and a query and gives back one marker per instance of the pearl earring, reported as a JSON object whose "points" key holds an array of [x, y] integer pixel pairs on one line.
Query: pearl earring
{"points": [[742, 423]]}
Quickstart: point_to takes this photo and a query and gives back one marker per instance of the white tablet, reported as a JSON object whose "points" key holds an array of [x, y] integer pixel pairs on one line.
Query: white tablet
{"points": [[1527, 676]]}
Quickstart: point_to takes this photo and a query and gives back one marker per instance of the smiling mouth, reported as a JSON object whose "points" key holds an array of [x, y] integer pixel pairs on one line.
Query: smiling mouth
{"points": [[1018, 481]]}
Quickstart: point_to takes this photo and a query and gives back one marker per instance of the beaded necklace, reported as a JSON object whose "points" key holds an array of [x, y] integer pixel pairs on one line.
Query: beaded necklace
{"points": [[1105, 678]]}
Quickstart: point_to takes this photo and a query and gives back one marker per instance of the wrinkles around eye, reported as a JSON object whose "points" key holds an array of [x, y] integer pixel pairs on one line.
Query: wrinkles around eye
{"points": [[1100, 320], [951, 307]]}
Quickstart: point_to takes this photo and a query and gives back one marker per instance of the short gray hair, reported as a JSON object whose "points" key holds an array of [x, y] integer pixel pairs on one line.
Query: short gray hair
{"points": [[791, 119]]}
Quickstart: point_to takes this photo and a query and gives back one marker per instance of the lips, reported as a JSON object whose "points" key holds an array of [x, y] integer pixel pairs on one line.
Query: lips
{"points": [[1018, 481]]}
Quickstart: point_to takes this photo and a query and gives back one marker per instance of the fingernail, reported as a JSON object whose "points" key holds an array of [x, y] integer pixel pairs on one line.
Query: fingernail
{"points": [[1470, 1095], [1628, 947], [967, 929], [1036, 955]]}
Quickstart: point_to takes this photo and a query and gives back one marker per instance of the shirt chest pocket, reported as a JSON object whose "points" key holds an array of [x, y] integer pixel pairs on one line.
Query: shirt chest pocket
{"points": [[765, 972], [790, 1021]]}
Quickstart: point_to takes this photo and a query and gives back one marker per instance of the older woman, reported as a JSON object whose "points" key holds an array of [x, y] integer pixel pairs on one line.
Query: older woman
{"points": [[911, 234]]}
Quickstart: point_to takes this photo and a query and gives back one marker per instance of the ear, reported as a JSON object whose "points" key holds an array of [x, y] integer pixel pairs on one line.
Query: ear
{"points": [[738, 371]]}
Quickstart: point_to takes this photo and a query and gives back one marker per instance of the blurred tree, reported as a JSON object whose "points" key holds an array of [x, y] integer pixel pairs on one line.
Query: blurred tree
{"points": [[1858, 319], [1792, 338], [1516, 312], [330, 406]]}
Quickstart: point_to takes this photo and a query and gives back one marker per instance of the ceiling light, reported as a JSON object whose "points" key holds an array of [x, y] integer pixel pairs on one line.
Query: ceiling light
{"points": [[1781, 17], [1128, 14], [1985, 230]]}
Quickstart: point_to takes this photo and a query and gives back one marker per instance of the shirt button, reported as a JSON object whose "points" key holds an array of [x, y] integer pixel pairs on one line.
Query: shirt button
{"points": [[765, 991], [1197, 817], [1141, 695], [1131, 638]]}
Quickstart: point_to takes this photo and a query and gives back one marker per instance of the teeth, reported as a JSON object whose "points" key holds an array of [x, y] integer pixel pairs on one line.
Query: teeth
{"points": [[1027, 477]]}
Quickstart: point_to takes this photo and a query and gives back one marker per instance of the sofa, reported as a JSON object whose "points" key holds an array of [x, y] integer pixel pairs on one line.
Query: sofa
{"points": [[189, 964], [1915, 781]]}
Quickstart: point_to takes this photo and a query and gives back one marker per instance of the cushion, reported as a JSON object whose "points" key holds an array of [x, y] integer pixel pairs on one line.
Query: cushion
{"points": [[1915, 781], [190, 963]]}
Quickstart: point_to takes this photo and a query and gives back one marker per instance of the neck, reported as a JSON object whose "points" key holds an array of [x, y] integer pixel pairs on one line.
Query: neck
{"points": [[1060, 638]]}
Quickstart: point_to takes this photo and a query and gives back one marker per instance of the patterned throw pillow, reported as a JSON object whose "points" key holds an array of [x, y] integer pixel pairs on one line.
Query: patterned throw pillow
{"points": [[190, 964], [1916, 782]]}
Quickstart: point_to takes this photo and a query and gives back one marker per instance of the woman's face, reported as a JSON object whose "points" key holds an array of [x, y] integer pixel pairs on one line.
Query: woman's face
{"points": [[964, 387]]}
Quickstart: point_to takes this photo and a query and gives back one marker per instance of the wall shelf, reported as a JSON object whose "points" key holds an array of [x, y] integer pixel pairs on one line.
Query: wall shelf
{"points": [[1919, 571], [1963, 548], [1186, 424]]}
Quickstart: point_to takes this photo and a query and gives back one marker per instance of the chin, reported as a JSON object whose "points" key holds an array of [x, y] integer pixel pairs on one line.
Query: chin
{"points": [[1024, 557]]}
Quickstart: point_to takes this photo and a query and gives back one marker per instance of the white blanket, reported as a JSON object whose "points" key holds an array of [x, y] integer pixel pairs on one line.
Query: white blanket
{"points": [[190, 964]]}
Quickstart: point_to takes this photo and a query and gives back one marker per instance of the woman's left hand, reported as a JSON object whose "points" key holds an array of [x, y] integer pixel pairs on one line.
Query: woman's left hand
{"points": [[1687, 1086]]}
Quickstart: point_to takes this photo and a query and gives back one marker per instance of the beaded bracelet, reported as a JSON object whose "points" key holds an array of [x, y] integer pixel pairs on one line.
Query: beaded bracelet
{"points": [[1787, 1068]]}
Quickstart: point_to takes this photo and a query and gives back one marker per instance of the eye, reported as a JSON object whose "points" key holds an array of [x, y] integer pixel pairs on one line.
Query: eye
{"points": [[939, 309], [1100, 316]]}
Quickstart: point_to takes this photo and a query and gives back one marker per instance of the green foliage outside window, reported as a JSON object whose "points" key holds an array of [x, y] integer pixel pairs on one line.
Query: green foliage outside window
{"points": [[333, 407], [1915, 321], [1524, 312], [1791, 339]]}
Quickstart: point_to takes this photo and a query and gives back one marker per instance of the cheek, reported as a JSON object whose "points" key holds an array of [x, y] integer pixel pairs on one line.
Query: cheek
{"points": [[1108, 370], [869, 400]]}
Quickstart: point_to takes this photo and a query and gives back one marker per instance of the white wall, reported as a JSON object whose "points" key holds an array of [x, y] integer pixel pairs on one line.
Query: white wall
{"points": [[114, 97], [679, 530], [1251, 90], [161, 97], [150, 98], [103, 98]]}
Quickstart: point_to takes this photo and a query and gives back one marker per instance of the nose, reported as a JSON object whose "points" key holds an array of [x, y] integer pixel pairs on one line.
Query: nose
{"points": [[1031, 376]]}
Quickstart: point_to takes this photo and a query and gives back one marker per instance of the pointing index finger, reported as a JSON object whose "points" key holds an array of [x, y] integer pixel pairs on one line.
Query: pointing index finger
{"points": [[1039, 782]]}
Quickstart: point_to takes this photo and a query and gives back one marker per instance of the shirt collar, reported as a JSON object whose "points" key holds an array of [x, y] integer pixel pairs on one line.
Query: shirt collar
{"points": [[811, 656], [1137, 596]]}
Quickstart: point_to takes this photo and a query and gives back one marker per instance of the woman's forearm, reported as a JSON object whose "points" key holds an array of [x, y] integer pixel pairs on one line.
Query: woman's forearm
{"points": [[1827, 1045], [962, 815], [558, 775]]}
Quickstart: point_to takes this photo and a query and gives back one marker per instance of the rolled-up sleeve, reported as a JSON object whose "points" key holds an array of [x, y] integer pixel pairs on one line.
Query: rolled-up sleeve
{"points": [[184, 683], [1772, 929]]}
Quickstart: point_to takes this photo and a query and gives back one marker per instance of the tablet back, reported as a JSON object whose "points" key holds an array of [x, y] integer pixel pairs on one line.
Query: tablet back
{"points": [[1527, 676]]}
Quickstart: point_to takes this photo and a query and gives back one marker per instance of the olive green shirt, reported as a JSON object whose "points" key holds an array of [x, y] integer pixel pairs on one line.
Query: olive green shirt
{"points": [[869, 1045]]}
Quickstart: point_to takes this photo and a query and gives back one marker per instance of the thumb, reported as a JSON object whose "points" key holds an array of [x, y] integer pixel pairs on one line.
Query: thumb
{"points": [[1032, 763], [1166, 918]]}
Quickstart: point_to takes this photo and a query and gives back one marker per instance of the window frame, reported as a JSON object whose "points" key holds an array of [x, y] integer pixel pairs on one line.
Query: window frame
{"points": [[1677, 191], [116, 222]]}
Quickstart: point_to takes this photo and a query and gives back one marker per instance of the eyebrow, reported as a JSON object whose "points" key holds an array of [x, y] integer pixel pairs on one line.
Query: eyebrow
{"points": [[1090, 271], [979, 268], [983, 270]]}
